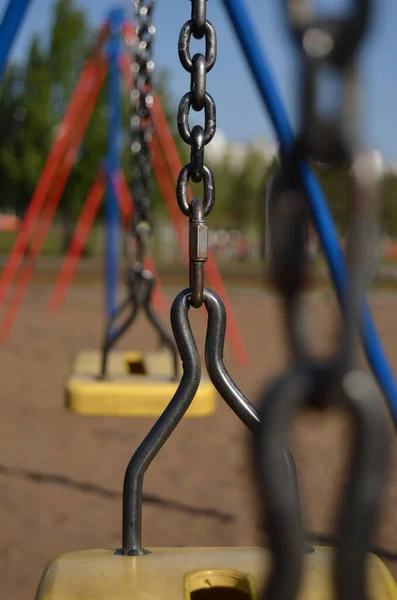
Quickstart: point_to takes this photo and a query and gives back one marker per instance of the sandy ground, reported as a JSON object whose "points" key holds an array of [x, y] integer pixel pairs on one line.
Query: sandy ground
{"points": [[61, 475]]}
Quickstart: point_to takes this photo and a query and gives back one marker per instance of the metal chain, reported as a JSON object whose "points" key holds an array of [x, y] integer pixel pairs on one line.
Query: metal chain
{"points": [[197, 138], [329, 47], [309, 382], [194, 296], [141, 125]]}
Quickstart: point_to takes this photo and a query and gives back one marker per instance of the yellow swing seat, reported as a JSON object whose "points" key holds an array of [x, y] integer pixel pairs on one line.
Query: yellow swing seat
{"points": [[192, 574], [137, 385]]}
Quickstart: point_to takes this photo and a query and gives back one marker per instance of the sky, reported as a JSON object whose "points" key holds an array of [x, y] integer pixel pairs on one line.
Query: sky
{"points": [[240, 112]]}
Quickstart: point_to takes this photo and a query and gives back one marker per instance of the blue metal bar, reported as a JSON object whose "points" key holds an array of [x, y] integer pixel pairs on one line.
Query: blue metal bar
{"points": [[114, 49], [9, 26], [254, 54]]}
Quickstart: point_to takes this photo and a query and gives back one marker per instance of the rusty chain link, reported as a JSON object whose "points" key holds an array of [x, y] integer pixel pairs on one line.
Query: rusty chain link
{"points": [[197, 138]]}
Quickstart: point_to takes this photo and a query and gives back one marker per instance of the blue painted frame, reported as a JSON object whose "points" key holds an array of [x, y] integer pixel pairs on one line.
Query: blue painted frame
{"points": [[9, 27], [115, 50]]}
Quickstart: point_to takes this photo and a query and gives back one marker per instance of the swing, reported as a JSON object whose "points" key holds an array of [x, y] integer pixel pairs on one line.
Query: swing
{"points": [[135, 384], [138, 385], [289, 570], [213, 573], [191, 574], [132, 384]]}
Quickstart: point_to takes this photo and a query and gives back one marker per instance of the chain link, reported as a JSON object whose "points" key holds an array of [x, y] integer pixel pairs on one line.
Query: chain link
{"points": [[323, 43], [329, 46], [197, 138], [141, 125]]}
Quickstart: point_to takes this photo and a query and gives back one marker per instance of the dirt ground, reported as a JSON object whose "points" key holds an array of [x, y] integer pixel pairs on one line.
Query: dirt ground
{"points": [[61, 475]]}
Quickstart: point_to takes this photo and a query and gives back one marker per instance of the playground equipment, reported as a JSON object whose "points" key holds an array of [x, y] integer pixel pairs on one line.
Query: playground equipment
{"points": [[48, 192], [290, 569], [112, 383]]}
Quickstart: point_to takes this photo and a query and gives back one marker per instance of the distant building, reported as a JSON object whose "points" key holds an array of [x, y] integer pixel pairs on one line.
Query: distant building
{"points": [[237, 151]]}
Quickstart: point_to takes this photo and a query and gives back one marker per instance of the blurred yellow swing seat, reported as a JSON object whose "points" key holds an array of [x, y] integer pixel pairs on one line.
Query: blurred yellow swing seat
{"points": [[136, 385], [192, 573]]}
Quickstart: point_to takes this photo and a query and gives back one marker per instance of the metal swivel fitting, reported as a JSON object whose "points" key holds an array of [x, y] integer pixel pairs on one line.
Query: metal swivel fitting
{"points": [[198, 251]]}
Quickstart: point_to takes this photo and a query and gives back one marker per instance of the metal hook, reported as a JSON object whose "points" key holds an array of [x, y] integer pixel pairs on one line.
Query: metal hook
{"points": [[226, 387], [214, 345], [300, 388], [165, 425]]}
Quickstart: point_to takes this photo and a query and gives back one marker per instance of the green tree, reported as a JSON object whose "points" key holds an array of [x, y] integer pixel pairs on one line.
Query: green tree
{"points": [[26, 133], [33, 97]]}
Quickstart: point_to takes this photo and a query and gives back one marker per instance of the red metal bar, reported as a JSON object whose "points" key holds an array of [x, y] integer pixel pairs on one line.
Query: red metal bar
{"points": [[49, 210], [85, 84], [80, 236]]}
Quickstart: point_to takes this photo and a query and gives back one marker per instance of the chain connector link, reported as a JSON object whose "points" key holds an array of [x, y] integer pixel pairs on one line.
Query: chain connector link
{"points": [[198, 251], [182, 190], [209, 118], [184, 44], [198, 82], [197, 154]]}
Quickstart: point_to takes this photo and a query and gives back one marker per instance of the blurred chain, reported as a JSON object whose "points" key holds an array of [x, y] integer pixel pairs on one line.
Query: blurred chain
{"points": [[197, 138], [141, 125], [329, 48]]}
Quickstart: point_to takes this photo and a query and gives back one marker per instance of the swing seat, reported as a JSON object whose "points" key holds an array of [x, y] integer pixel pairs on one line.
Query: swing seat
{"points": [[192, 574], [137, 385]]}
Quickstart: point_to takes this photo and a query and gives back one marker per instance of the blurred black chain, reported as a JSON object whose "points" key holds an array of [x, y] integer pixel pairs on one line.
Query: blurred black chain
{"points": [[197, 138], [326, 44], [329, 47], [141, 125]]}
